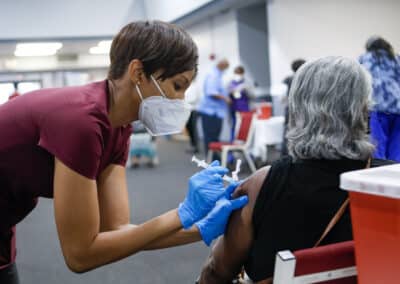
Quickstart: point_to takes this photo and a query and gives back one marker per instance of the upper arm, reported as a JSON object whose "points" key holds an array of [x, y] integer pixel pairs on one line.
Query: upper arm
{"points": [[231, 250], [74, 137], [122, 150], [76, 210], [113, 198]]}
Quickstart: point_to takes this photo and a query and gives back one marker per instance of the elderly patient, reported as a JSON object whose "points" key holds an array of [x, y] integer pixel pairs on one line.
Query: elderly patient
{"points": [[292, 201]]}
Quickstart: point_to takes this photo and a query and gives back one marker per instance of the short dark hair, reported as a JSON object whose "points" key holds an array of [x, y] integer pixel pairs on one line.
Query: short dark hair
{"points": [[239, 69], [158, 45], [376, 43], [296, 64]]}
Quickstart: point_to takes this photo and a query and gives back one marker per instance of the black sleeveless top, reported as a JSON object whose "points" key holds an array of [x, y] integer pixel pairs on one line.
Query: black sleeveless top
{"points": [[295, 204]]}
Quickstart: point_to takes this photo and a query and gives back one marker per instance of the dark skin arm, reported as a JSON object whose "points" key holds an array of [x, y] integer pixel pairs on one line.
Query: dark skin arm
{"points": [[231, 250]]}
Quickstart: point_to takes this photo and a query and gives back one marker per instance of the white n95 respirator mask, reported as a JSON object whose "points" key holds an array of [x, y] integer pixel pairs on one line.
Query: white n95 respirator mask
{"points": [[161, 115]]}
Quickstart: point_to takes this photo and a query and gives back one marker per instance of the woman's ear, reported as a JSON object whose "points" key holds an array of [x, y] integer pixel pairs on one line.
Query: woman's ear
{"points": [[135, 71]]}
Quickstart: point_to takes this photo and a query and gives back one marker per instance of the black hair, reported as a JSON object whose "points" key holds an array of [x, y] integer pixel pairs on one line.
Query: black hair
{"points": [[377, 43], [239, 69], [296, 64]]}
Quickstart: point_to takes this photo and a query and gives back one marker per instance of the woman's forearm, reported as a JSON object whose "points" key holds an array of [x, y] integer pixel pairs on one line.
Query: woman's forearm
{"points": [[177, 238], [114, 245]]}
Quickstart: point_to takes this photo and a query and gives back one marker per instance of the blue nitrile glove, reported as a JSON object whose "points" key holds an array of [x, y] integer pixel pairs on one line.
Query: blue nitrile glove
{"points": [[205, 188], [214, 224]]}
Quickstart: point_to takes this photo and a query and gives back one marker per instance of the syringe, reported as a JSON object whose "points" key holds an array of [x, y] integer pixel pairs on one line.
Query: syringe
{"points": [[203, 164]]}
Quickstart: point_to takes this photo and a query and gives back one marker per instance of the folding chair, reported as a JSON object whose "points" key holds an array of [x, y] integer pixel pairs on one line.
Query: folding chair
{"points": [[330, 264], [244, 134]]}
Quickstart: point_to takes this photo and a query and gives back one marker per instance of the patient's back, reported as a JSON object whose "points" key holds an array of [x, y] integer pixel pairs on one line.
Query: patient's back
{"points": [[296, 202]]}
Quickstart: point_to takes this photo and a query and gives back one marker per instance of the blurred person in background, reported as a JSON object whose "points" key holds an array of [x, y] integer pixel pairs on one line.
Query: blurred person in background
{"points": [[384, 66], [239, 93], [192, 97], [143, 146], [296, 64], [213, 107], [15, 93], [76, 140], [292, 201]]}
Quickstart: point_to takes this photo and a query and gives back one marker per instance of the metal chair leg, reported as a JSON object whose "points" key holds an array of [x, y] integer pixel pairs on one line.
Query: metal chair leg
{"points": [[249, 161], [224, 157], [209, 156]]}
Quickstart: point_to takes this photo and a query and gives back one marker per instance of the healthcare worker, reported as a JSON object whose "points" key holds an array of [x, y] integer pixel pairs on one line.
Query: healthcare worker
{"points": [[383, 64], [71, 144]]}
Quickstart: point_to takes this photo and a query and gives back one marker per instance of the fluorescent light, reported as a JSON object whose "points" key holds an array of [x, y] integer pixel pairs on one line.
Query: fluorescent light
{"points": [[39, 45], [98, 50], [103, 47], [21, 53], [37, 48]]}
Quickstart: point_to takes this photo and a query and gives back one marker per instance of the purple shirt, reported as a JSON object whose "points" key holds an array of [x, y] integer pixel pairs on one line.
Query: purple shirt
{"points": [[68, 123], [240, 100]]}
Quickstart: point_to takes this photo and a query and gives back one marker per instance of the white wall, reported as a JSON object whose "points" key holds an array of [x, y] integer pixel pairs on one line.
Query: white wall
{"points": [[77, 18], [218, 35], [253, 43], [316, 28], [172, 9], [71, 18]]}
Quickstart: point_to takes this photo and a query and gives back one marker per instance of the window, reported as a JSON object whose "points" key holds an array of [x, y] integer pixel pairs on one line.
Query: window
{"points": [[7, 88]]}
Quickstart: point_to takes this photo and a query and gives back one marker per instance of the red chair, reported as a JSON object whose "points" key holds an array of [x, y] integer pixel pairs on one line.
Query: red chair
{"points": [[330, 264], [244, 134]]}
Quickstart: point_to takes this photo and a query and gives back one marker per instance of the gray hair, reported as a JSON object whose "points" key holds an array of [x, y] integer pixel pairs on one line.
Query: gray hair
{"points": [[328, 110]]}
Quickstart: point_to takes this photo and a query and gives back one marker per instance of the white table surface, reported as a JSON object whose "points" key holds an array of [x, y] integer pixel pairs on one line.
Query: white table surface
{"points": [[267, 132]]}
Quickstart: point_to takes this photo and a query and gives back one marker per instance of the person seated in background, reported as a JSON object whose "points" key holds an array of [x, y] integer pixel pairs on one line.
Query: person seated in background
{"points": [[292, 201], [15, 93], [143, 146]]}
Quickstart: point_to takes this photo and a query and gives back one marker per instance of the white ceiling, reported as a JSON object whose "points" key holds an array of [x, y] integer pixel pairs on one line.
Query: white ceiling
{"points": [[21, 19]]}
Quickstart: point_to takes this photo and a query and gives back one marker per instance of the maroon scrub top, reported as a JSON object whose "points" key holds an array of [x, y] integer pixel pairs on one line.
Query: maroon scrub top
{"points": [[68, 123]]}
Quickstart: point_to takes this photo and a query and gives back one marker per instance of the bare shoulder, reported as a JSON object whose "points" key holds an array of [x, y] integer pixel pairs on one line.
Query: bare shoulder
{"points": [[252, 186], [231, 250]]}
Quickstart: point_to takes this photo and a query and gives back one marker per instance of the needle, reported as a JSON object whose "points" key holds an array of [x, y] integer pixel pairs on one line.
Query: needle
{"points": [[203, 164]]}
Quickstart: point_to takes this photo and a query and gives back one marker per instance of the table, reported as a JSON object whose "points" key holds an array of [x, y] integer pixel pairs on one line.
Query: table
{"points": [[266, 132]]}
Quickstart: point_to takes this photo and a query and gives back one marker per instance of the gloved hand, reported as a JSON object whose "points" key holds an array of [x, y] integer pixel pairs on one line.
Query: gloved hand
{"points": [[205, 188], [214, 224]]}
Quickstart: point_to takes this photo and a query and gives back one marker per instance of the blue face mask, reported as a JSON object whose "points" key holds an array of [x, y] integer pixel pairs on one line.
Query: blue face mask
{"points": [[161, 115]]}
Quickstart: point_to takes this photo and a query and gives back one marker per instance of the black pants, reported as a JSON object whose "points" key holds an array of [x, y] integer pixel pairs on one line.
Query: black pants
{"points": [[212, 126], [191, 127], [9, 275]]}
